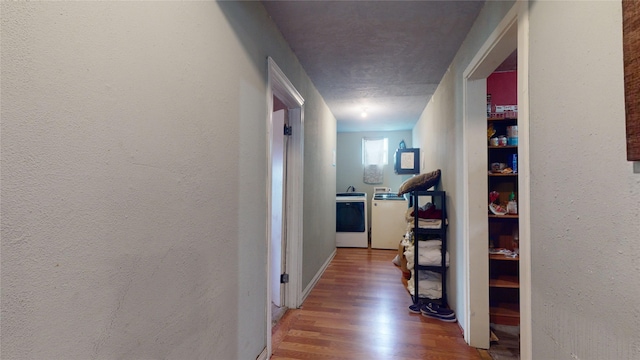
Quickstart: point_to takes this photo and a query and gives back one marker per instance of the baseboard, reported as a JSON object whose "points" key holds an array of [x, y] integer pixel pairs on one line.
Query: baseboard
{"points": [[263, 355], [315, 279], [461, 329]]}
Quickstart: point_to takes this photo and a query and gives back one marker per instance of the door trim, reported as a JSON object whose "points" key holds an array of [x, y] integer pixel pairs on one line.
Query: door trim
{"points": [[512, 33], [524, 184], [279, 85]]}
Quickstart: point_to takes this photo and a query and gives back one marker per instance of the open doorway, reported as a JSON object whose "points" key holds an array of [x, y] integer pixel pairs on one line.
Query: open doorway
{"points": [[278, 240], [503, 218], [285, 134], [511, 34]]}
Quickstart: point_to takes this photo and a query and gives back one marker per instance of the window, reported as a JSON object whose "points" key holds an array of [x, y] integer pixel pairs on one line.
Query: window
{"points": [[375, 151], [375, 155]]}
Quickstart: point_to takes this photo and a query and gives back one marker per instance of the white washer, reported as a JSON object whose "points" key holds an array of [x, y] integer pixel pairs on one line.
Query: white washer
{"points": [[351, 220], [388, 223]]}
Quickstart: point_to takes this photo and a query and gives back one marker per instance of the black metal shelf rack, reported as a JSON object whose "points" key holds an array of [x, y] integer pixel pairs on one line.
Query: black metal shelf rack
{"points": [[438, 198]]}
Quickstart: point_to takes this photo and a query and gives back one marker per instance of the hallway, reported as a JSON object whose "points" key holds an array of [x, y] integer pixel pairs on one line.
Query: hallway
{"points": [[359, 310]]}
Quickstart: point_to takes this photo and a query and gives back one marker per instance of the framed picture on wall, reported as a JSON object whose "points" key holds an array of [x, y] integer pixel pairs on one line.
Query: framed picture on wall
{"points": [[631, 48], [407, 161]]}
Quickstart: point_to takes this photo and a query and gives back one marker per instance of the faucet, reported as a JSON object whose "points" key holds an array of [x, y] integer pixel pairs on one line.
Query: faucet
{"points": [[351, 188]]}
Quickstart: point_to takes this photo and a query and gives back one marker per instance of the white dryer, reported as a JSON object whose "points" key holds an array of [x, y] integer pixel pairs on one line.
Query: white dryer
{"points": [[388, 223]]}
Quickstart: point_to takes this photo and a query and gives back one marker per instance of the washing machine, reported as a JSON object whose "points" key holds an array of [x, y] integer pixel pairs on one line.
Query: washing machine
{"points": [[351, 220], [388, 223]]}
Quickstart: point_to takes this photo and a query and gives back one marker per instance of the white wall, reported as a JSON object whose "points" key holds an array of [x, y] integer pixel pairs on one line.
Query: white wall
{"points": [[133, 178], [439, 135], [319, 186], [585, 220]]}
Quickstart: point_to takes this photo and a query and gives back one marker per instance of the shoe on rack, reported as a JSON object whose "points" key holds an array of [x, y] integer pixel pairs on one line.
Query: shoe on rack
{"points": [[414, 308], [441, 318], [433, 308], [435, 311]]}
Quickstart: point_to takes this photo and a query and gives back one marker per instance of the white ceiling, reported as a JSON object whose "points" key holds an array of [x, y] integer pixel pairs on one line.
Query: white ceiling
{"points": [[387, 57]]}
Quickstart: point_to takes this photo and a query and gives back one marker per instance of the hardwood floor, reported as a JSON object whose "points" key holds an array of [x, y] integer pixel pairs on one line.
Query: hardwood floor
{"points": [[359, 310]]}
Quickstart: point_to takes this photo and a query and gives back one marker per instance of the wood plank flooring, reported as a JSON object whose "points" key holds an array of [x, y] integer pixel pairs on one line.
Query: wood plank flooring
{"points": [[359, 310]]}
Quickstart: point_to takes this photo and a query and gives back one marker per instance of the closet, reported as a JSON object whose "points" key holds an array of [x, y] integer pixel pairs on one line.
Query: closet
{"points": [[502, 163]]}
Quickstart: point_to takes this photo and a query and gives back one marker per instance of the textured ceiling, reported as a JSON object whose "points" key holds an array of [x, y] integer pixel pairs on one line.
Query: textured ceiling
{"points": [[387, 57]]}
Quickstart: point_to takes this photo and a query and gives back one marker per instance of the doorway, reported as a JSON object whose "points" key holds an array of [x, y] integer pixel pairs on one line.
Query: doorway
{"points": [[510, 34], [278, 240], [284, 196]]}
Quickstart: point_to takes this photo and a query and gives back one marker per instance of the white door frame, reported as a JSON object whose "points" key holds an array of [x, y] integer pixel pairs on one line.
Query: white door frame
{"points": [[278, 201], [512, 33], [279, 86]]}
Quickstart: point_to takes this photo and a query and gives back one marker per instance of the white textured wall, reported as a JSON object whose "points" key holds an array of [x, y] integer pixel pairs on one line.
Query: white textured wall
{"points": [[319, 187], [439, 135], [133, 178], [585, 221]]}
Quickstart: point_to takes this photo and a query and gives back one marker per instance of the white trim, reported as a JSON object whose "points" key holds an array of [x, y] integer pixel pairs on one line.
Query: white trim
{"points": [[495, 49], [295, 211], [278, 85], [511, 33], [263, 355], [524, 184], [476, 227], [282, 87], [318, 275]]}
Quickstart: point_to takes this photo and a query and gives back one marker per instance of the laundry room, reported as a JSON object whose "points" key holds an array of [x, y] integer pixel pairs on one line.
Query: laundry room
{"points": [[370, 175]]}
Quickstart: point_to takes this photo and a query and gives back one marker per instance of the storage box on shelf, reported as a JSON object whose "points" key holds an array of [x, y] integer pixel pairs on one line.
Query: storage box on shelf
{"points": [[504, 288]]}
